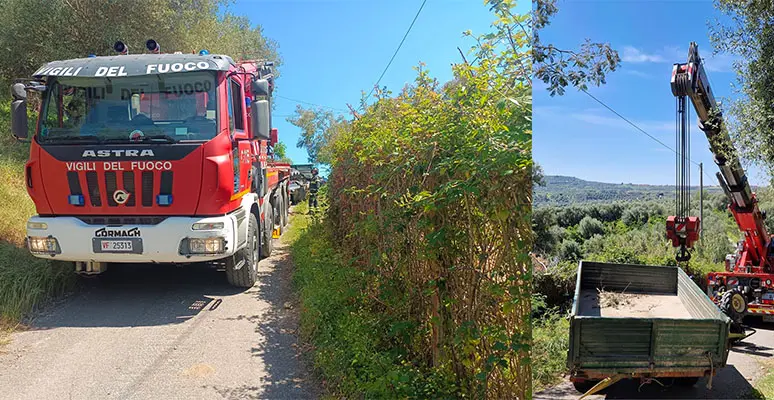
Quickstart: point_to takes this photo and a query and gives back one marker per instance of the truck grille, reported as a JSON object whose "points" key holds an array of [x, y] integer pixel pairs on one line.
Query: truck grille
{"points": [[122, 220], [100, 186]]}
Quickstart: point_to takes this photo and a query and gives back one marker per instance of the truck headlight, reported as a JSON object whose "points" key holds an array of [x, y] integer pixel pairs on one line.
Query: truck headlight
{"points": [[207, 226], [45, 245], [211, 245], [36, 225]]}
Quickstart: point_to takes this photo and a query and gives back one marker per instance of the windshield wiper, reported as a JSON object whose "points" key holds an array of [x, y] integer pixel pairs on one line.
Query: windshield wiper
{"points": [[149, 138], [166, 138], [73, 138]]}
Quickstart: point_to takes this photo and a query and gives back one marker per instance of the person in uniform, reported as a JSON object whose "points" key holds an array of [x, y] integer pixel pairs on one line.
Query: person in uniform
{"points": [[314, 186]]}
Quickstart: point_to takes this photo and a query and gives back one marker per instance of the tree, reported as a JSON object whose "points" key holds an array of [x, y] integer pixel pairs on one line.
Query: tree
{"points": [[570, 250], [750, 37], [589, 227], [538, 176], [280, 153], [559, 68], [34, 32], [318, 129]]}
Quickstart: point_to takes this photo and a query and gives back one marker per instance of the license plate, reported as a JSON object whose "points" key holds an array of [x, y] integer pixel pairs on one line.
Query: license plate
{"points": [[116, 245], [768, 296], [768, 318]]}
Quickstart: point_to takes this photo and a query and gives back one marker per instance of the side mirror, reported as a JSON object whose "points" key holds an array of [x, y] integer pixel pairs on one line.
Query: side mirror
{"points": [[261, 117], [261, 87], [19, 121]]}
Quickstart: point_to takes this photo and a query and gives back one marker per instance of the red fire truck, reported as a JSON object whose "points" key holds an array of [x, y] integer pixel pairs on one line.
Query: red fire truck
{"points": [[153, 158]]}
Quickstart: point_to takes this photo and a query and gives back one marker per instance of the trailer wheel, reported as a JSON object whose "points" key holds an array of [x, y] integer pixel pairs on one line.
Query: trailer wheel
{"points": [[734, 304], [268, 224], [247, 275]]}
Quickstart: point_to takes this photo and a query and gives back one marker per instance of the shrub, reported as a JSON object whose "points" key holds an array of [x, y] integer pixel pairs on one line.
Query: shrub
{"points": [[570, 250], [589, 227]]}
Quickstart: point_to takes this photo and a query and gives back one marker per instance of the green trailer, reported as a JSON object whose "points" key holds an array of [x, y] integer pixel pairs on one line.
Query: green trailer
{"points": [[642, 322]]}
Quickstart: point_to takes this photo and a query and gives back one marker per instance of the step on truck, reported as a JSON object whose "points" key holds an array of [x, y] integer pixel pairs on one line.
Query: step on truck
{"points": [[153, 158]]}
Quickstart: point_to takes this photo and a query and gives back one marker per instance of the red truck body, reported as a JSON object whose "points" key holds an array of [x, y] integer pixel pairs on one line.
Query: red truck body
{"points": [[154, 158]]}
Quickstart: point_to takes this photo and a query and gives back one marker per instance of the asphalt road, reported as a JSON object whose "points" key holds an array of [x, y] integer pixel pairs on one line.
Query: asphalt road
{"points": [[747, 361], [163, 332]]}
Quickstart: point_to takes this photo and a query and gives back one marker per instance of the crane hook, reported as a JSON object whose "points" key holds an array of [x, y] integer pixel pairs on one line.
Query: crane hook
{"points": [[682, 254]]}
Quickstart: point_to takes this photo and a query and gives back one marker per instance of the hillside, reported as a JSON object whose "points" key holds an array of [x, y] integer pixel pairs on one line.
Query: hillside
{"points": [[560, 190]]}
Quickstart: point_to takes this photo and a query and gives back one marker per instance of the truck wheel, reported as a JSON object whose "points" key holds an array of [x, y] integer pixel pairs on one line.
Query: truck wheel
{"points": [[285, 207], [278, 215], [268, 224], [246, 275], [734, 304], [584, 386]]}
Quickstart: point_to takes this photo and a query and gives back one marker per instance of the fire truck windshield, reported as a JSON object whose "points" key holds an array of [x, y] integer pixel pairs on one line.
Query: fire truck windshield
{"points": [[165, 107]]}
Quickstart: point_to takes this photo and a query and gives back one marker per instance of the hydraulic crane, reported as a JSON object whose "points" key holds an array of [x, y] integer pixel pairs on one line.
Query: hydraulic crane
{"points": [[746, 284]]}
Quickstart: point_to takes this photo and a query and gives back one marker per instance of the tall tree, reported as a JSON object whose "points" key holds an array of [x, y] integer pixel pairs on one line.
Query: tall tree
{"points": [[280, 153], [318, 127], [748, 35], [34, 32]]}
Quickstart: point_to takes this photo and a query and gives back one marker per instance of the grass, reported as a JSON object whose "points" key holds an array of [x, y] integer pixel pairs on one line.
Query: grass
{"points": [[25, 281], [550, 341], [350, 343], [764, 385]]}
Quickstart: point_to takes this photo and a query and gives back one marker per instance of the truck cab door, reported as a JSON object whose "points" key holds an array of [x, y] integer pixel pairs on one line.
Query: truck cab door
{"points": [[241, 150]]}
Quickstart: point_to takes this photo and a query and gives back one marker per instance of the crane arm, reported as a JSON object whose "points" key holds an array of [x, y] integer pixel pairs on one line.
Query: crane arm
{"points": [[690, 79]]}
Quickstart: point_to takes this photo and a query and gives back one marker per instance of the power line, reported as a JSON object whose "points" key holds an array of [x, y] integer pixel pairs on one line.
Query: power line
{"points": [[312, 104], [398, 49], [638, 128]]}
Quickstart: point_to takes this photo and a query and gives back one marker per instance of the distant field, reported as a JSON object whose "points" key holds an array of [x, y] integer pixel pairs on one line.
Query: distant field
{"points": [[561, 190]]}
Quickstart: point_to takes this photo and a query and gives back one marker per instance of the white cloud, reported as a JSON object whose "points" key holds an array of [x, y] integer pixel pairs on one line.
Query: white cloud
{"points": [[679, 54], [634, 55], [720, 63], [546, 111], [636, 73]]}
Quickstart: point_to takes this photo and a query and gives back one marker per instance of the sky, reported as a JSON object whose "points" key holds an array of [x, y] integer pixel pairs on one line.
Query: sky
{"points": [[575, 136], [333, 50]]}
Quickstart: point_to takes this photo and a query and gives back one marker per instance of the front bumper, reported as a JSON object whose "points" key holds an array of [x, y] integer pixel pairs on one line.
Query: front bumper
{"points": [[165, 242]]}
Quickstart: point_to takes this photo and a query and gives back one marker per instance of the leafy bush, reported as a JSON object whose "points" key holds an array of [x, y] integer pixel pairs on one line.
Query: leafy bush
{"points": [[430, 198], [357, 348], [570, 250], [549, 350], [589, 227]]}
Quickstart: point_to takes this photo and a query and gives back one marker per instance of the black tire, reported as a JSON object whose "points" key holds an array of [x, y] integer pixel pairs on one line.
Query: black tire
{"points": [[281, 208], [267, 244], [278, 214], [687, 382], [734, 304], [584, 386], [247, 275], [285, 207]]}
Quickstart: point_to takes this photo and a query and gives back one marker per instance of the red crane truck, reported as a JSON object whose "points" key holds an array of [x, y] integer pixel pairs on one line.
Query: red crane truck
{"points": [[153, 158], [747, 284]]}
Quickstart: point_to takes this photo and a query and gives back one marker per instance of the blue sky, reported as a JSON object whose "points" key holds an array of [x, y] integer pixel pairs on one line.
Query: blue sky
{"points": [[332, 50], [574, 135]]}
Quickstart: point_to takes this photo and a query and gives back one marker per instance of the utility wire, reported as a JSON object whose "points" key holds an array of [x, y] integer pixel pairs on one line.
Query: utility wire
{"points": [[398, 49], [312, 104], [380, 76], [640, 129]]}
